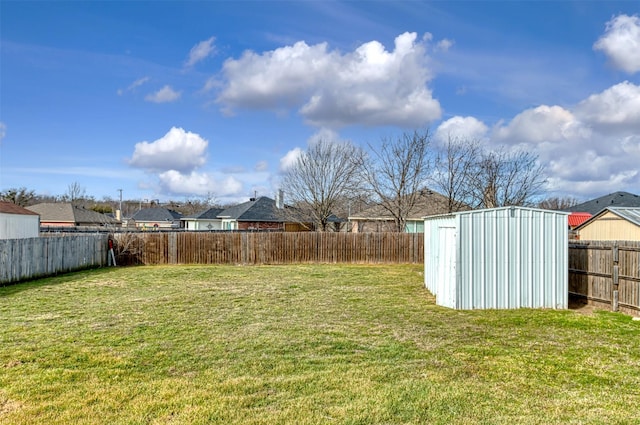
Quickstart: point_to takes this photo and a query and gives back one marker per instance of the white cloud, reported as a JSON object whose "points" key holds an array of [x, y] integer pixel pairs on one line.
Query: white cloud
{"points": [[200, 52], [461, 128], [164, 95], [175, 183], [617, 107], [589, 150], [444, 45], [177, 150], [290, 159], [369, 86], [212, 83], [540, 125], [261, 166], [591, 188], [137, 83], [621, 42], [324, 135], [175, 167], [283, 77]]}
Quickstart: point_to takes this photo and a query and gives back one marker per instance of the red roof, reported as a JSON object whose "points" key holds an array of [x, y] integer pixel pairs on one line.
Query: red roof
{"points": [[11, 208], [577, 218]]}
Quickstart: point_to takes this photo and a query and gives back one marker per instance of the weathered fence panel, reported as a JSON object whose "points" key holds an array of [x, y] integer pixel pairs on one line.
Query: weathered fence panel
{"points": [[22, 259], [268, 248], [606, 273]]}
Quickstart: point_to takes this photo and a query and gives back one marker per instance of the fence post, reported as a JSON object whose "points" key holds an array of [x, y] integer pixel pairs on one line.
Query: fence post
{"points": [[173, 248], [615, 281]]}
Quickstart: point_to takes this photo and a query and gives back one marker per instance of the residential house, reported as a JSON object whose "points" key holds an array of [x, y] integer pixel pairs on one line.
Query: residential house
{"points": [[612, 224], [616, 199], [67, 215], [205, 220], [575, 219], [378, 219], [156, 218], [17, 222], [262, 213]]}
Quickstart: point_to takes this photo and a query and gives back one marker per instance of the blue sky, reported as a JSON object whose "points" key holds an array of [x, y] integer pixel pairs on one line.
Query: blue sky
{"points": [[178, 100]]}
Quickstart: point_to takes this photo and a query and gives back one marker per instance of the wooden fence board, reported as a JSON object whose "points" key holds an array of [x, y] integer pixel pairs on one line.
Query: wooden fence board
{"points": [[268, 248], [22, 259], [593, 267]]}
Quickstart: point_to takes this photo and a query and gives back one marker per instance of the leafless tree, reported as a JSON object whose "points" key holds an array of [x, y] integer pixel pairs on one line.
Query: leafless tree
{"points": [[507, 178], [75, 193], [456, 167], [397, 171], [19, 196], [321, 178], [558, 203]]}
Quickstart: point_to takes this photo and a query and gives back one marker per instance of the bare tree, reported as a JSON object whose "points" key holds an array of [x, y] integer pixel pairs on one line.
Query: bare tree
{"points": [[75, 192], [558, 203], [507, 178], [396, 172], [210, 199], [321, 178], [19, 196], [456, 167]]}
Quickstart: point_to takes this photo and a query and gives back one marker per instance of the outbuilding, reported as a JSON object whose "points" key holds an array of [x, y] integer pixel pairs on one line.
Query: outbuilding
{"points": [[499, 258], [17, 222], [612, 224]]}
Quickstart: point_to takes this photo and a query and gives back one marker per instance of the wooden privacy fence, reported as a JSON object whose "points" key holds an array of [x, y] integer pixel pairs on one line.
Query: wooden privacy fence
{"points": [[22, 259], [268, 248], [606, 273]]}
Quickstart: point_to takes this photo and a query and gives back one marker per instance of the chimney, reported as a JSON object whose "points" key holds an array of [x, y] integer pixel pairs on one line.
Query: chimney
{"points": [[280, 199]]}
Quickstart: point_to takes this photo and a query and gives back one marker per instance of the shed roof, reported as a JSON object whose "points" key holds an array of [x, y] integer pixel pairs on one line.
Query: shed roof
{"points": [[616, 199], [495, 209], [631, 214], [11, 208]]}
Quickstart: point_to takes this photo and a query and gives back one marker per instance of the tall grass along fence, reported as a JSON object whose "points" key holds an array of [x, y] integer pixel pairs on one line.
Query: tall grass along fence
{"points": [[268, 248], [606, 274], [22, 259]]}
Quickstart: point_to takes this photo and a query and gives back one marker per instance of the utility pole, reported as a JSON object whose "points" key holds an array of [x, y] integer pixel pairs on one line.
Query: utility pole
{"points": [[120, 190]]}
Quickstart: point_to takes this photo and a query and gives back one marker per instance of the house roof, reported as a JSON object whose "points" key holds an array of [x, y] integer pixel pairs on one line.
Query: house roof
{"points": [[631, 214], [430, 203], [65, 212], [210, 214], [156, 214], [11, 208], [260, 209], [616, 199], [577, 218]]}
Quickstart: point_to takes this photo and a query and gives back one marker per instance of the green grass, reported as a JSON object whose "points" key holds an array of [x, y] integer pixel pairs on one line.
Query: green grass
{"points": [[301, 344]]}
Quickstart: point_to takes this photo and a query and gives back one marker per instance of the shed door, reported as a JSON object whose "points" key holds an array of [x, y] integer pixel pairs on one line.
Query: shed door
{"points": [[447, 267]]}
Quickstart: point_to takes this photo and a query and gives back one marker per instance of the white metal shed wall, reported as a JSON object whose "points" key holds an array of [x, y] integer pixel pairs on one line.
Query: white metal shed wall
{"points": [[440, 258], [504, 258], [19, 226]]}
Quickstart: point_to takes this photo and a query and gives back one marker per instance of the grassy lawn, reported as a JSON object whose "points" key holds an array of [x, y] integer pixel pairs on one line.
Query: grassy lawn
{"points": [[301, 344]]}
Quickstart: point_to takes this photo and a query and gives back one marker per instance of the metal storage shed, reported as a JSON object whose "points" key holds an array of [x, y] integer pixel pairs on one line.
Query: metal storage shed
{"points": [[17, 222], [509, 257]]}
